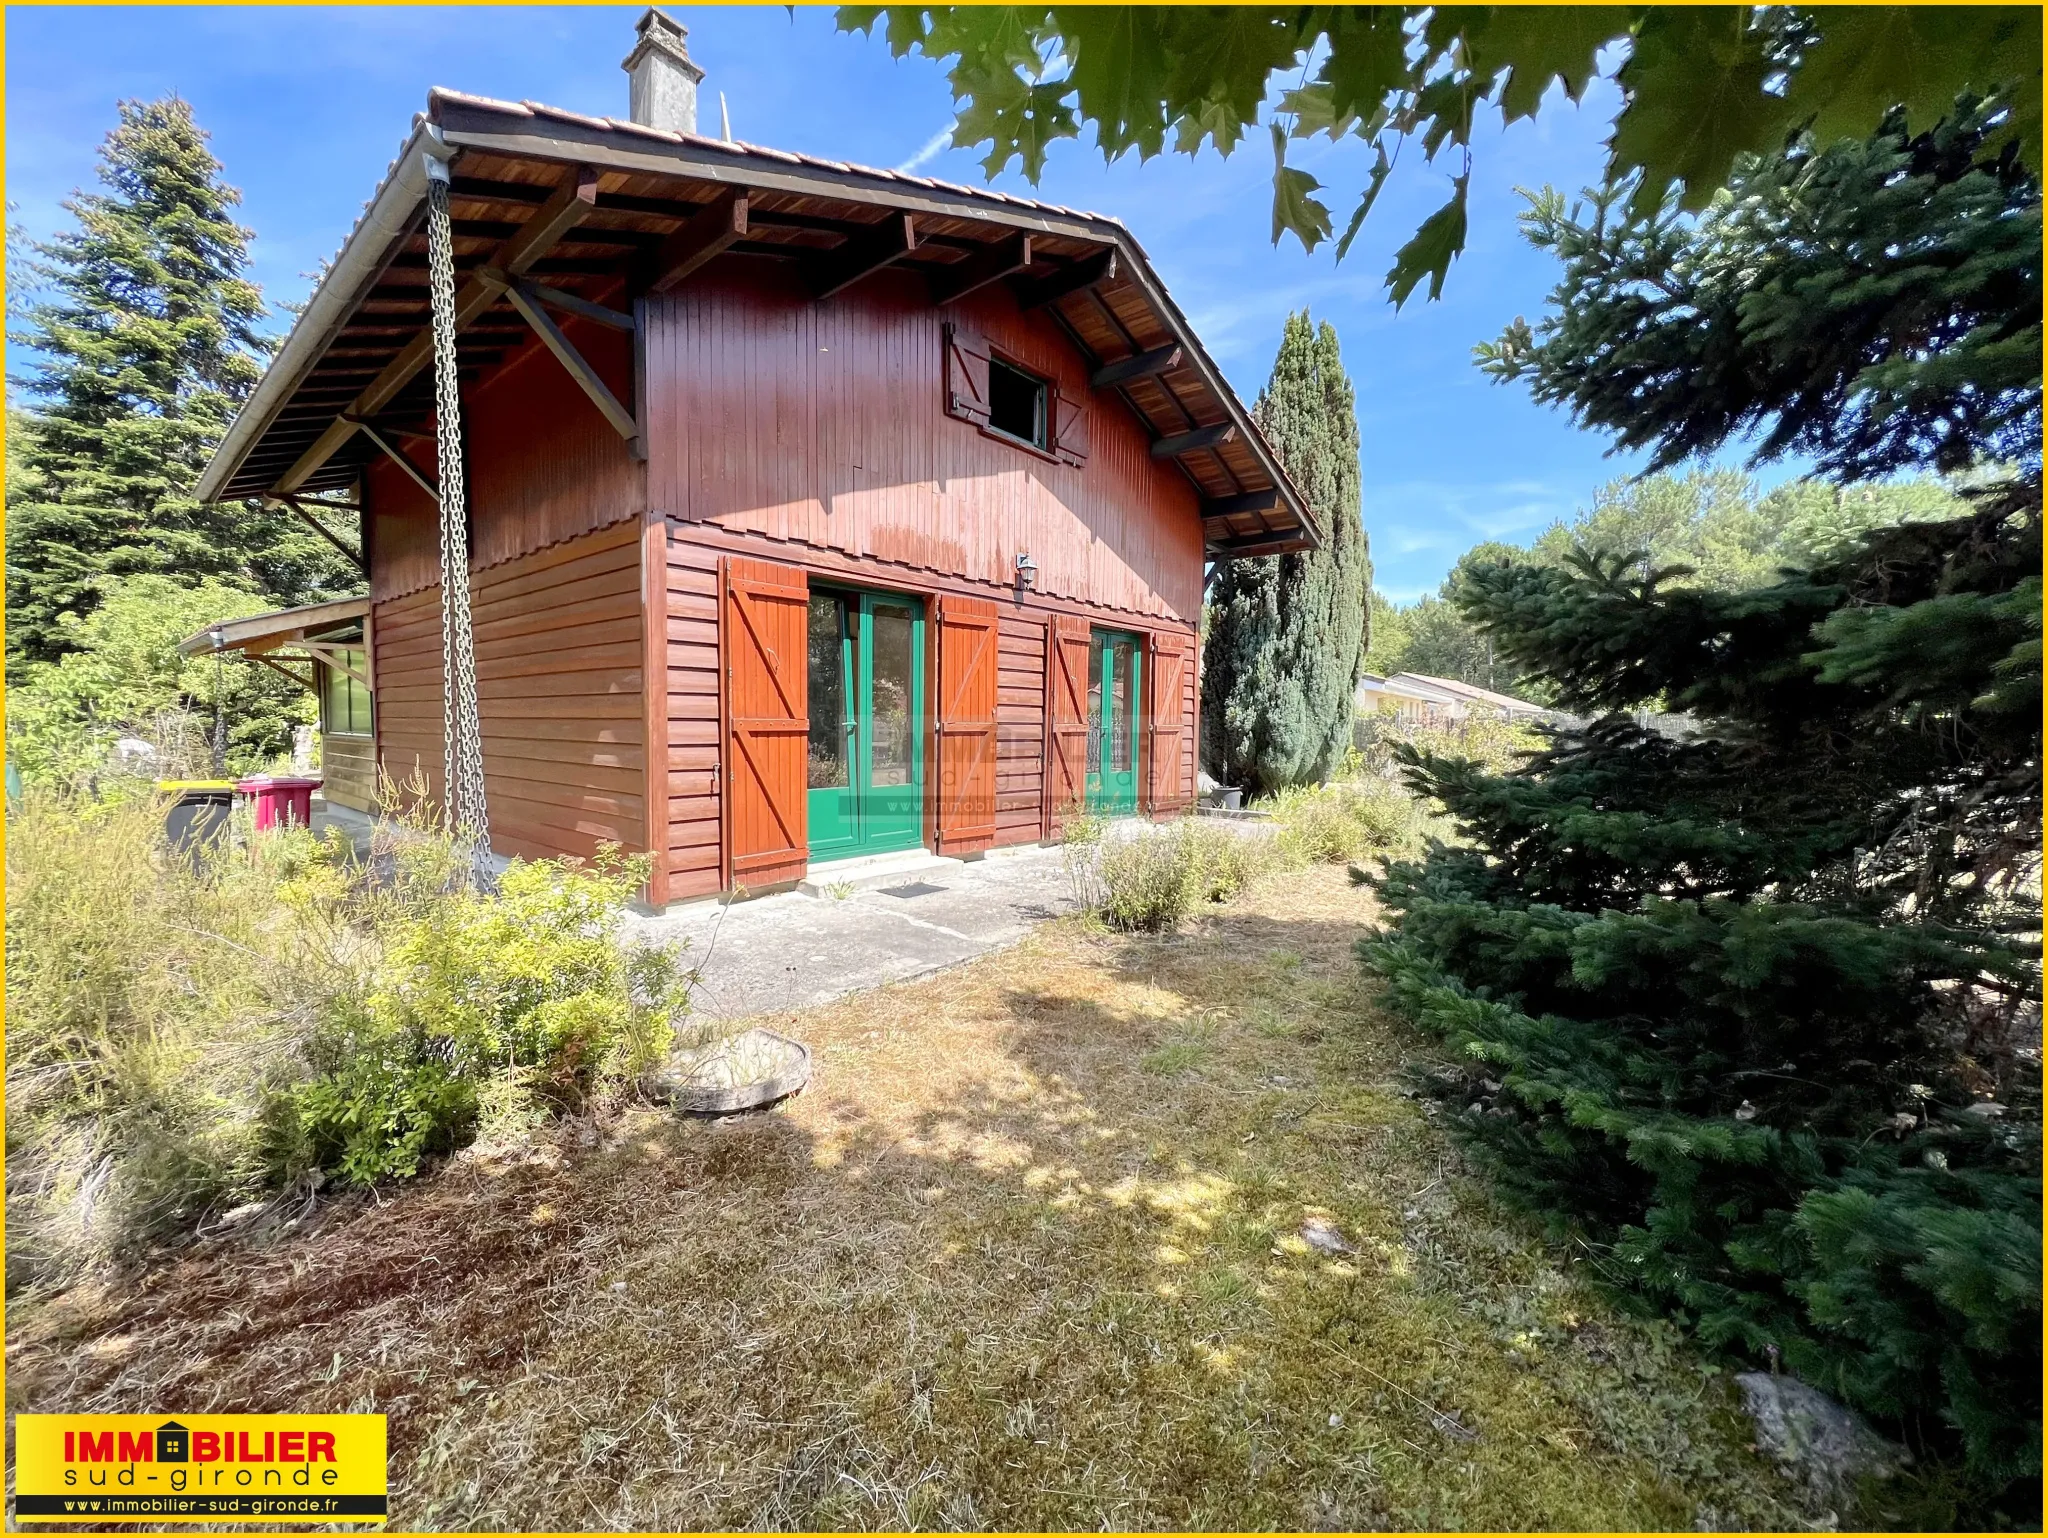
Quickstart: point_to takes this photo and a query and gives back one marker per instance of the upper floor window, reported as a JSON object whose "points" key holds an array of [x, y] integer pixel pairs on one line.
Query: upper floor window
{"points": [[1016, 403]]}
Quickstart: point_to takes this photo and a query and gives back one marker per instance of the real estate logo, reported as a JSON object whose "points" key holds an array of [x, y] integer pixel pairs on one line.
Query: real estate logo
{"points": [[199, 1468]]}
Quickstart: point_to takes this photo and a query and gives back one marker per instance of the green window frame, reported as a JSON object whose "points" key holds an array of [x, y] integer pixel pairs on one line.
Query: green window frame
{"points": [[346, 708]]}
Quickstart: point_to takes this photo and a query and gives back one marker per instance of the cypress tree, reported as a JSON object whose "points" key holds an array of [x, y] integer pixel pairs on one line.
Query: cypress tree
{"points": [[1757, 1012], [1287, 634], [143, 349]]}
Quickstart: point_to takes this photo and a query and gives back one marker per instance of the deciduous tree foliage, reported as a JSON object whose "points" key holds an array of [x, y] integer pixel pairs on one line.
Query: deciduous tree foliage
{"points": [[121, 672], [1287, 634], [144, 345], [1700, 86], [1758, 1012]]}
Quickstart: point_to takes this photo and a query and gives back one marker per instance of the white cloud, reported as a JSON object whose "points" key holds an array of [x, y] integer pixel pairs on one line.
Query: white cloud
{"points": [[934, 147]]}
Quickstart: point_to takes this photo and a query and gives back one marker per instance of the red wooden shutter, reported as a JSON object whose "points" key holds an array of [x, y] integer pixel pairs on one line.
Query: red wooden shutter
{"points": [[1066, 719], [767, 742], [966, 377], [966, 724], [1070, 429], [1171, 733]]}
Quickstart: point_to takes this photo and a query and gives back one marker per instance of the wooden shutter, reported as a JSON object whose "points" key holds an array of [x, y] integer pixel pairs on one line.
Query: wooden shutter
{"points": [[1170, 738], [966, 724], [1070, 429], [767, 739], [966, 377], [1066, 719]]}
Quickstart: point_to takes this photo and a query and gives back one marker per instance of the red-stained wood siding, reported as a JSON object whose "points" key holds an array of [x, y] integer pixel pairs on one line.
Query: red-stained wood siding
{"points": [[1169, 736], [1020, 729], [824, 426], [767, 728], [693, 720], [1066, 719], [559, 663], [964, 723], [543, 466]]}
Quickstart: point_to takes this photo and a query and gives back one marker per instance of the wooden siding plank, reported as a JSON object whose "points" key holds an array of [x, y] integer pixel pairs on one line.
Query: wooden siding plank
{"points": [[824, 428], [559, 692]]}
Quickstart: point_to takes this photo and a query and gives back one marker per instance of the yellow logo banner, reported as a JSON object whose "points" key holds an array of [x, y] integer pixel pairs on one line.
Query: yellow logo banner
{"points": [[199, 1468]]}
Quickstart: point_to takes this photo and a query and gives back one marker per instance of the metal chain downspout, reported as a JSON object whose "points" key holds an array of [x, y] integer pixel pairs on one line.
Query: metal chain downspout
{"points": [[462, 810]]}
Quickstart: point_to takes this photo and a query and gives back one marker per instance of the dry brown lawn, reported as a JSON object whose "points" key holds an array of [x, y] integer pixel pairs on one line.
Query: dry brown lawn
{"points": [[1027, 1254]]}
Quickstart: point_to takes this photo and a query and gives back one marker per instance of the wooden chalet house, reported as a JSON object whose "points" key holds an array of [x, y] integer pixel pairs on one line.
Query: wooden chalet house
{"points": [[814, 511]]}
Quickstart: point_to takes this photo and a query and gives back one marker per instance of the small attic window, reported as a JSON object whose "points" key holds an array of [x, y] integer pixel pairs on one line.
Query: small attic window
{"points": [[1016, 403]]}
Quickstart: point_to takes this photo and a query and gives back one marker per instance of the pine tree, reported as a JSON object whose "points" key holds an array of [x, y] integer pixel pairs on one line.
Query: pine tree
{"points": [[1288, 634], [1757, 1012], [142, 351]]}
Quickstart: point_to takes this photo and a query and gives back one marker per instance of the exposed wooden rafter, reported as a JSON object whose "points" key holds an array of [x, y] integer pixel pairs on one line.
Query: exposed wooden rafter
{"points": [[1196, 438], [376, 436], [562, 212], [1263, 544], [349, 552], [975, 272], [1143, 366], [709, 231], [833, 271], [334, 656], [1258, 503], [1032, 293], [303, 680], [576, 304], [528, 303]]}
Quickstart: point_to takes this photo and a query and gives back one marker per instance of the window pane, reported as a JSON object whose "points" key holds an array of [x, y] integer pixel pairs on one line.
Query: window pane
{"points": [[892, 717], [1095, 704], [1016, 403], [333, 699], [1120, 707], [828, 693], [358, 695]]}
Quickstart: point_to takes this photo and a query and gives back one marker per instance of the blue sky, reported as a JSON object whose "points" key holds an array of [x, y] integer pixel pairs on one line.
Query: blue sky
{"points": [[306, 106]]}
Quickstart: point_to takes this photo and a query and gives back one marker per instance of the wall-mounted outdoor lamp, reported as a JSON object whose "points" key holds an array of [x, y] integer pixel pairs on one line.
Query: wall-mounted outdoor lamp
{"points": [[1027, 571]]}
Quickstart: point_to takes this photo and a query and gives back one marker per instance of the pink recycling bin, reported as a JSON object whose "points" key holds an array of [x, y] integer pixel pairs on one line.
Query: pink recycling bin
{"points": [[282, 800]]}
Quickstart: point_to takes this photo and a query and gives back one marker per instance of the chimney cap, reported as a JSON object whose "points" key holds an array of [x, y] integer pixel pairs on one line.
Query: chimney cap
{"points": [[663, 34]]}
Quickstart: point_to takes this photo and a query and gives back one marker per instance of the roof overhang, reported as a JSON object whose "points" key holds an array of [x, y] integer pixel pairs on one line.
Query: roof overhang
{"points": [[601, 211], [262, 633]]}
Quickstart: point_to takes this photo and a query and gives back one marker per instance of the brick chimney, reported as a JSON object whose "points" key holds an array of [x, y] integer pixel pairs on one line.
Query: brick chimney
{"points": [[663, 75]]}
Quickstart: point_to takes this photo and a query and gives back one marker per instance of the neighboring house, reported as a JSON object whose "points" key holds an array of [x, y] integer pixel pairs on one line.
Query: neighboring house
{"points": [[335, 665], [1412, 703], [814, 511], [1422, 700], [1474, 698]]}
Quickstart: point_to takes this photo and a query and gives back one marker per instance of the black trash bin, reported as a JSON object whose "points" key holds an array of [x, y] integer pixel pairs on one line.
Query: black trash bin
{"points": [[199, 815]]}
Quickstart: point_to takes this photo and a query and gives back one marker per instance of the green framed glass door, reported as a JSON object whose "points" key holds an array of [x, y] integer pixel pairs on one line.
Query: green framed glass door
{"points": [[866, 768], [1114, 661]]}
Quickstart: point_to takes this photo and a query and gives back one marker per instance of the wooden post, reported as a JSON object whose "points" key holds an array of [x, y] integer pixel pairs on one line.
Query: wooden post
{"points": [[654, 697]]}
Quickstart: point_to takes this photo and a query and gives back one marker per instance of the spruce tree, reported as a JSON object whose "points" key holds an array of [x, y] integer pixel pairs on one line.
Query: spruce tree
{"points": [[1757, 1012], [1287, 634], [143, 349]]}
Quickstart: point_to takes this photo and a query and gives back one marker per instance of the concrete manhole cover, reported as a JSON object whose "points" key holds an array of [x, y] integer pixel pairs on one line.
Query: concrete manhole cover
{"points": [[746, 1072], [912, 889]]}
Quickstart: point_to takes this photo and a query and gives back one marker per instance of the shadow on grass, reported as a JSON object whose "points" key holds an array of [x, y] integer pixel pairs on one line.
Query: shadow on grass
{"points": [[1028, 1254]]}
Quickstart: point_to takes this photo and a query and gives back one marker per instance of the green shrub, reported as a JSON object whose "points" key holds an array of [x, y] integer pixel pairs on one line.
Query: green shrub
{"points": [[470, 985], [1349, 820], [1150, 880], [191, 1034], [1154, 878], [151, 1004], [1228, 859], [1317, 825]]}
